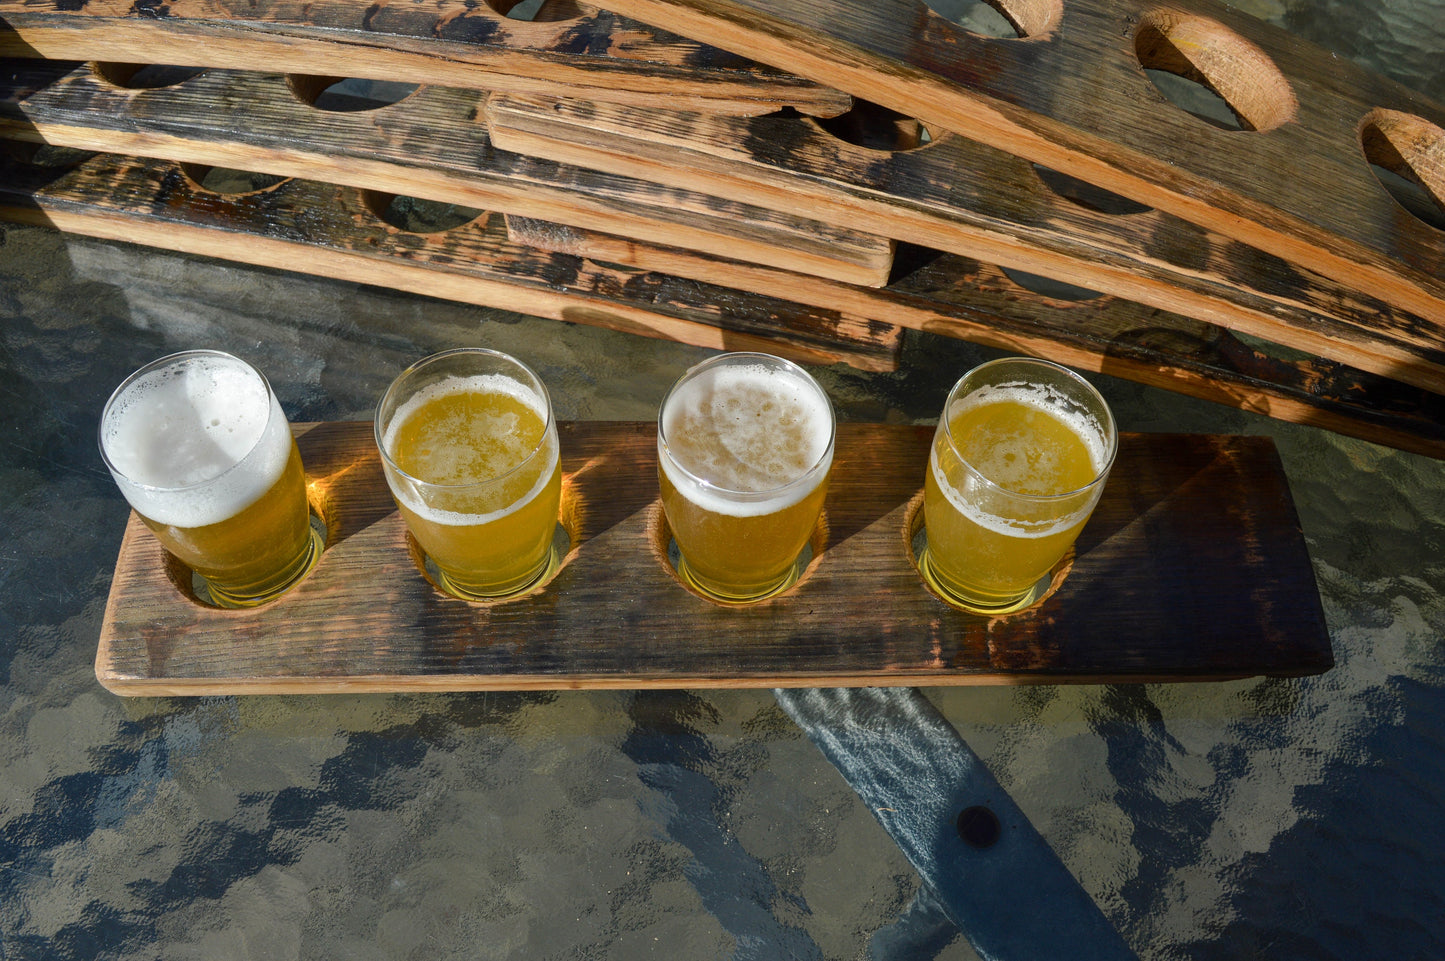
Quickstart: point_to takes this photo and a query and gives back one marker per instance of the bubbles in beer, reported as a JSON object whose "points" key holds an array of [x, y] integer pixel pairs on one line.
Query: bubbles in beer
{"points": [[1026, 441], [472, 430]]}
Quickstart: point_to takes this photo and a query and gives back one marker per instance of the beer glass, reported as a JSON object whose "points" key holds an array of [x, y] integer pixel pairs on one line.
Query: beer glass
{"points": [[200, 447], [470, 452], [1018, 461], [744, 447]]}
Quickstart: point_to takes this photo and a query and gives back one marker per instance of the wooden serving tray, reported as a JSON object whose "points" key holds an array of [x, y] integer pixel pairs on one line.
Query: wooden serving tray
{"points": [[567, 48], [964, 197], [1193, 567], [707, 301], [433, 144], [340, 233], [1073, 95]]}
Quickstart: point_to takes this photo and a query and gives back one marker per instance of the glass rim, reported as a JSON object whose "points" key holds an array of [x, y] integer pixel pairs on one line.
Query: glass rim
{"points": [[547, 426], [1111, 438], [168, 360], [749, 356]]}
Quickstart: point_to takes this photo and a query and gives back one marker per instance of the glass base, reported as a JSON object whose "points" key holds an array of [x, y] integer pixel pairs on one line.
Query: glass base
{"points": [[789, 578], [561, 543], [208, 591], [974, 604]]}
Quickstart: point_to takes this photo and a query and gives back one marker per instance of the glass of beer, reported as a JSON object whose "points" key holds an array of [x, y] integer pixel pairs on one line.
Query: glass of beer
{"points": [[744, 447], [200, 447], [1018, 461], [470, 452]]}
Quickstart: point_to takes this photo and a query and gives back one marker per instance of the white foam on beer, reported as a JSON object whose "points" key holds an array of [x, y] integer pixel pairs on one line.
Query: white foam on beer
{"points": [[481, 384], [1041, 398], [178, 439], [745, 428]]}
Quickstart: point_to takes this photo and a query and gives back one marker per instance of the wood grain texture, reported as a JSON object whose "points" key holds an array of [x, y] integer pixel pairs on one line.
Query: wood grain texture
{"points": [[958, 297], [957, 195], [432, 144], [1192, 568], [338, 232], [1073, 95], [584, 51], [620, 284]]}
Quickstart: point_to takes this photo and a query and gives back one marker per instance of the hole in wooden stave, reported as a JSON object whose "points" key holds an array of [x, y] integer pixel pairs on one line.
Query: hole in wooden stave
{"points": [[1195, 99], [229, 182], [1212, 59], [1087, 195], [1407, 156], [415, 215], [540, 11], [1048, 287], [348, 94], [143, 76], [877, 128], [45, 156], [1000, 19]]}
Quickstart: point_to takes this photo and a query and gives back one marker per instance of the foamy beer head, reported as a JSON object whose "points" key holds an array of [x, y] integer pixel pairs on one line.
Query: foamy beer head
{"points": [[200, 447], [194, 438], [745, 445], [470, 452]]}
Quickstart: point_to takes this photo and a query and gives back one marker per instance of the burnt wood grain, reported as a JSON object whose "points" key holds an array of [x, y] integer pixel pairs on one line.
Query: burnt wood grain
{"points": [[343, 233], [952, 193], [433, 143], [959, 297], [1073, 92], [567, 47], [678, 295], [1193, 567]]}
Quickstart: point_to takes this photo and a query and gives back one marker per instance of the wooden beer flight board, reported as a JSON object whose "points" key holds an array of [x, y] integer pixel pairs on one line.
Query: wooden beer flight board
{"points": [[1193, 567], [618, 283], [343, 234], [1072, 93], [955, 194], [564, 49], [433, 144]]}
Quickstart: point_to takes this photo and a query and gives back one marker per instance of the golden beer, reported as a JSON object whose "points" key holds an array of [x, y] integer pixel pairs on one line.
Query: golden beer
{"points": [[471, 455], [201, 449], [1017, 464], [745, 445]]}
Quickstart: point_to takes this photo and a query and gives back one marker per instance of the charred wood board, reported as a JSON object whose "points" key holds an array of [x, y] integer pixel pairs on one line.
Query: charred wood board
{"points": [[954, 194], [432, 144], [1074, 93], [341, 233], [566, 48], [1193, 567], [958, 297]]}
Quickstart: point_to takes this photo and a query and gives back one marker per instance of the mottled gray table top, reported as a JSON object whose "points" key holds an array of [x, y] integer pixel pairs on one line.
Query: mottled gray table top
{"points": [[1269, 818]]}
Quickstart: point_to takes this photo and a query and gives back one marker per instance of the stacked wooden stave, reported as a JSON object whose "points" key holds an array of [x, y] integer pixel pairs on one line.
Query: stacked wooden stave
{"points": [[705, 203]]}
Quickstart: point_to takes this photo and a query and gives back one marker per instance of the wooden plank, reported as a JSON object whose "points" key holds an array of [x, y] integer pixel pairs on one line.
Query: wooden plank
{"points": [[958, 195], [338, 232], [432, 144], [957, 297], [1073, 95], [565, 49], [1192, 568]]}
